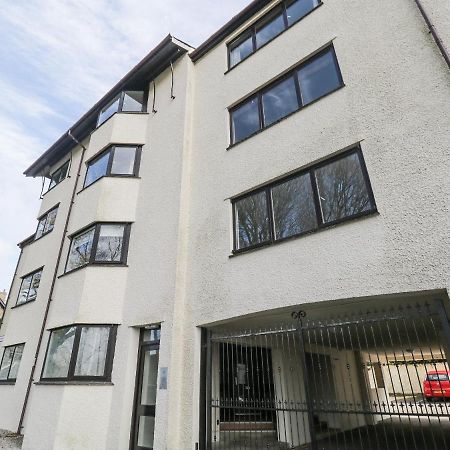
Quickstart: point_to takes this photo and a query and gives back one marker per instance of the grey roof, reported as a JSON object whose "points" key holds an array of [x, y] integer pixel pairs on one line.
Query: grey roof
{"points": [[167, 51]]}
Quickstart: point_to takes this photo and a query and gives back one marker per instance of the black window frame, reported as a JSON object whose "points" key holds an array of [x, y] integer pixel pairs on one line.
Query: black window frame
{"points": [[111, 149], [355, 149], [30, 274], [106, 377], [121, 97], [260, 23], [92, 261], [59, 169], [292, 73], [45, 216], [11, 380]]}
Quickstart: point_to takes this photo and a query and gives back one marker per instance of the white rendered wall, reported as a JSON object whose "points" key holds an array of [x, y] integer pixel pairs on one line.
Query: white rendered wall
{"points": [[395, 101]]}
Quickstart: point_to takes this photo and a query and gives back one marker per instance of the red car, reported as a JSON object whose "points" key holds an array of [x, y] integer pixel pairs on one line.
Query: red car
{"points": [[437, 385]]}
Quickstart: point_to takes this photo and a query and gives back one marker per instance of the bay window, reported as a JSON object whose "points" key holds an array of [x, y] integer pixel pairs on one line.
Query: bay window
{"points": [[117, 160], [102, 243], [80, 352], [127, 101]]}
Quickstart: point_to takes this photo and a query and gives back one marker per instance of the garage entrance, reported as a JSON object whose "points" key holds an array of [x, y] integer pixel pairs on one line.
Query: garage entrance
{"points": [[375, 380]]}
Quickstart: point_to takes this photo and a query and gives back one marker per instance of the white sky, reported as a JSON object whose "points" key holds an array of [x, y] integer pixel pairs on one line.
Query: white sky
{"points": [[57, 58]]}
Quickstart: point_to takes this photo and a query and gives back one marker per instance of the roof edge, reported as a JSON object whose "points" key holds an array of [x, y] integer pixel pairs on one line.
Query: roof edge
{"points": [[235, 22], [36, 168]]}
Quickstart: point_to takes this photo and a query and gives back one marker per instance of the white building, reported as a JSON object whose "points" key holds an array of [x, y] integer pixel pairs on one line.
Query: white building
{"points": [[246, 245]]}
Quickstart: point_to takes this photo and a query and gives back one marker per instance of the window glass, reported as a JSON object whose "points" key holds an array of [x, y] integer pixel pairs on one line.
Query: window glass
{"points": [[150, 376], [318, 77], [6, 362], [109, 247], [342, 189], [16, 362], [50, 222], [279, 101], [241, 51], [34, 286], [245, 120], [252, 220], [59, 175], [24, 289], [146, 430], [133, 101], [59, 353], [108, 111], [300, 8], [293, 207], [92, 351], [80, 250], [270, 30], [97, 169], [40, 228], [123, 162]]}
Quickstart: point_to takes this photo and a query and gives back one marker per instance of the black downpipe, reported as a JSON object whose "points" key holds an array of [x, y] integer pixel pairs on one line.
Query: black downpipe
{"points": [[55, 274], [434, 33]]}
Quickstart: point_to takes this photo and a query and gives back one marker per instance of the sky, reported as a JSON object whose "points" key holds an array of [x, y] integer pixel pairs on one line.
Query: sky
{"points": [[57, 58]]}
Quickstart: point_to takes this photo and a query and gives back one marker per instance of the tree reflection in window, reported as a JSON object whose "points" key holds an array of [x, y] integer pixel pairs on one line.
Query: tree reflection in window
{"points": [[314, 198], [80, 251], [252, 220], [109, 247], [293, 207], [342, 189]]}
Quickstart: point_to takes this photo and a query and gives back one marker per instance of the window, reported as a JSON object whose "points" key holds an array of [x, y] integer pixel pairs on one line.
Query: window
{"points": [[29, 287], [268, 28], [59, 175], [313, 79], [9, 366], [327, 193], [118, 160], [80, 352], [104, 243], [127, 101], [46, 223]]}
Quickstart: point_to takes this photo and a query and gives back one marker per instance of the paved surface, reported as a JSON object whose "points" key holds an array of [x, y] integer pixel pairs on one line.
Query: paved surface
{"points": [[391, 435], [9, 441]]}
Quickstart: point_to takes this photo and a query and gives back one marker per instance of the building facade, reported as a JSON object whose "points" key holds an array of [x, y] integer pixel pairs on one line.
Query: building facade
{"points": [[246, 245]]}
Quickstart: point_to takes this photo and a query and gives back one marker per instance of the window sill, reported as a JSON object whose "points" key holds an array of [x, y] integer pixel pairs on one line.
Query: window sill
{"points": [[253, 248], [93, 265], [73, 383], [107, 176], [23, 304], [8, 382], [284, 118], [273, 39]]}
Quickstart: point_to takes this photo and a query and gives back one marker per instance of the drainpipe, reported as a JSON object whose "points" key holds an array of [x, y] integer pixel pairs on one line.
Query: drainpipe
{"points": [[434, 33], [10, 288], [55, 274]]}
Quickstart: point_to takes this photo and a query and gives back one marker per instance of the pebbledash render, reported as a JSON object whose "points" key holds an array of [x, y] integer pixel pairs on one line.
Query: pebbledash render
{"points": [[246, 245]]}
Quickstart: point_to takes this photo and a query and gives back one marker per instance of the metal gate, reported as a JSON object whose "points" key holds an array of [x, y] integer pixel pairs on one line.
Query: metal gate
{"points": [[376, 380]]}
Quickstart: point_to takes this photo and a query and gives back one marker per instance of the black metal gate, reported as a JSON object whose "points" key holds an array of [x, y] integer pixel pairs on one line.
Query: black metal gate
{"points": [[376, 380]]}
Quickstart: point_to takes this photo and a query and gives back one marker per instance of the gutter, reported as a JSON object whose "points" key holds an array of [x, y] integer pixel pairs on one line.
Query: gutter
{"points": [[434, 32], [52, 288]]}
